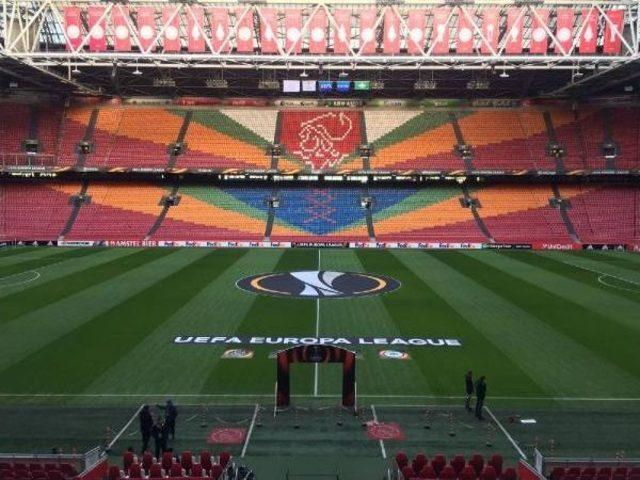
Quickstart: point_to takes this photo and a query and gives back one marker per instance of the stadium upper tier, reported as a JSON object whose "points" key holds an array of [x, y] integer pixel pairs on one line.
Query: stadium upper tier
{"points": [[516, 140], [498, 213]]}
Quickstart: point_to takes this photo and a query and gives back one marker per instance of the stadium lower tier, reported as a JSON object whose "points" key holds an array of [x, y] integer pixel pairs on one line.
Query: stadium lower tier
{"points": [[147, 211]]}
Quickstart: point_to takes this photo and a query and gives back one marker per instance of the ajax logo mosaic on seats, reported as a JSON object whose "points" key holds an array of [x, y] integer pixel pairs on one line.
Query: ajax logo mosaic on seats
{"points": [[318, 284]]}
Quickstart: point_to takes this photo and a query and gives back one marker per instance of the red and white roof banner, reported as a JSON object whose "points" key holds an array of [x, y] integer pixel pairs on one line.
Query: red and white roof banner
{"points": [[97, 28], [539, 37], [464, 39], [219, 20], [416, 22], [121, 34], [146, 26], [589, 35], [195, 29], [613, 31], [440, 31], [318, 32], [73, 27], [268, 30], [171, 20], [244, 32], [341, 30], [515, 24], [564, 29], [391, 38], [293, 30], [490, 30], [367, 31]]}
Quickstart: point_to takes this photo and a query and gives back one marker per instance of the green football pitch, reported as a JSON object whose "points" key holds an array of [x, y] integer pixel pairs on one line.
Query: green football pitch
{"points": [[87, 336]]}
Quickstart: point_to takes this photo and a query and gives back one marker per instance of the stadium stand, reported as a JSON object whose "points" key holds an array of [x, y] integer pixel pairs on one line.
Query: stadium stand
{"points": [[184, 466], [420, 467], [509, 213], [325, 140]]}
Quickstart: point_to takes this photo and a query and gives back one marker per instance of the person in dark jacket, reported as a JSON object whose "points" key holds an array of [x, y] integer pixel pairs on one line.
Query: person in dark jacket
{"points": [[468, 384], [481, 393], [146, 425], [170, 415], [160, 434]]}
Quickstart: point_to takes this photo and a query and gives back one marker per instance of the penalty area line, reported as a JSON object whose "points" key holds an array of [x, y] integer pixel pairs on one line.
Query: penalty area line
{"points": [[375, 419], [123, 429], [253, 424], [506, 433]]}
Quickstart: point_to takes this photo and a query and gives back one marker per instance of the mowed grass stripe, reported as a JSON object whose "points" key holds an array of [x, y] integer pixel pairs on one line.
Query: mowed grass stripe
{"points": [[625, 260], [573, 284], [38, 263], [420, 312], [21, 254], [216, 310], [70, 363], [269, 316], [479, 352], [27, 334], [23, 282], [20, 303], [614, 343], [581, 286], [364, 317], [602, 264], [12, 251], [534, 347]]}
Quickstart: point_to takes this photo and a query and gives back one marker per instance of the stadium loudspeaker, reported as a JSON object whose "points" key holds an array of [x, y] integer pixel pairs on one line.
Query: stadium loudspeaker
{"points": [[31, 146]]}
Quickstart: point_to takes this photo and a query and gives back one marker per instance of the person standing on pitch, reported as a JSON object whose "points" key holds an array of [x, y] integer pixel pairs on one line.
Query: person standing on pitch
{"points": [[481, 393], [146, 425], [170, 415], [468, 384]]}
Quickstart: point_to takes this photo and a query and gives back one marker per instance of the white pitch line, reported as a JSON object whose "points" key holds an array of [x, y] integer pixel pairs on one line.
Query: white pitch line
{"points": [[264, 395], [375, 419], [24, 282], [506, 434], [317, 366], [253, 423], [593, 270], [126, 425]]}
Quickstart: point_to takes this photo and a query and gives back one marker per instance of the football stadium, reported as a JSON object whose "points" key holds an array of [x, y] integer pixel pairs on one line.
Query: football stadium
{"points": [[313, 239]]}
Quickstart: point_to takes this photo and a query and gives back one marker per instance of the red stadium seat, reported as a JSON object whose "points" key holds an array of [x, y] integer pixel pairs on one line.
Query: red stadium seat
{"points": [[205, 461], [216, 471], [419, 461], [167, 461], [557, 473], [135, 471], [496, 461], [155, 471], [428, 472], [114, 472], [401, 460], [147, 461], [224, 459], [186, 460], [574, 471], [621, 471], [605, 471], [175, 470], [439, 462], [477, 462], [488, 473], [468, 473], [127, 461], [458, 462], [589, 471], [509, 473], [407, 473], [449, 473]]}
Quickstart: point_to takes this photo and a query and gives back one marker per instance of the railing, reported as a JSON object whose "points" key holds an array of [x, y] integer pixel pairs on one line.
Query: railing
{"points": [[9, 160]]}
